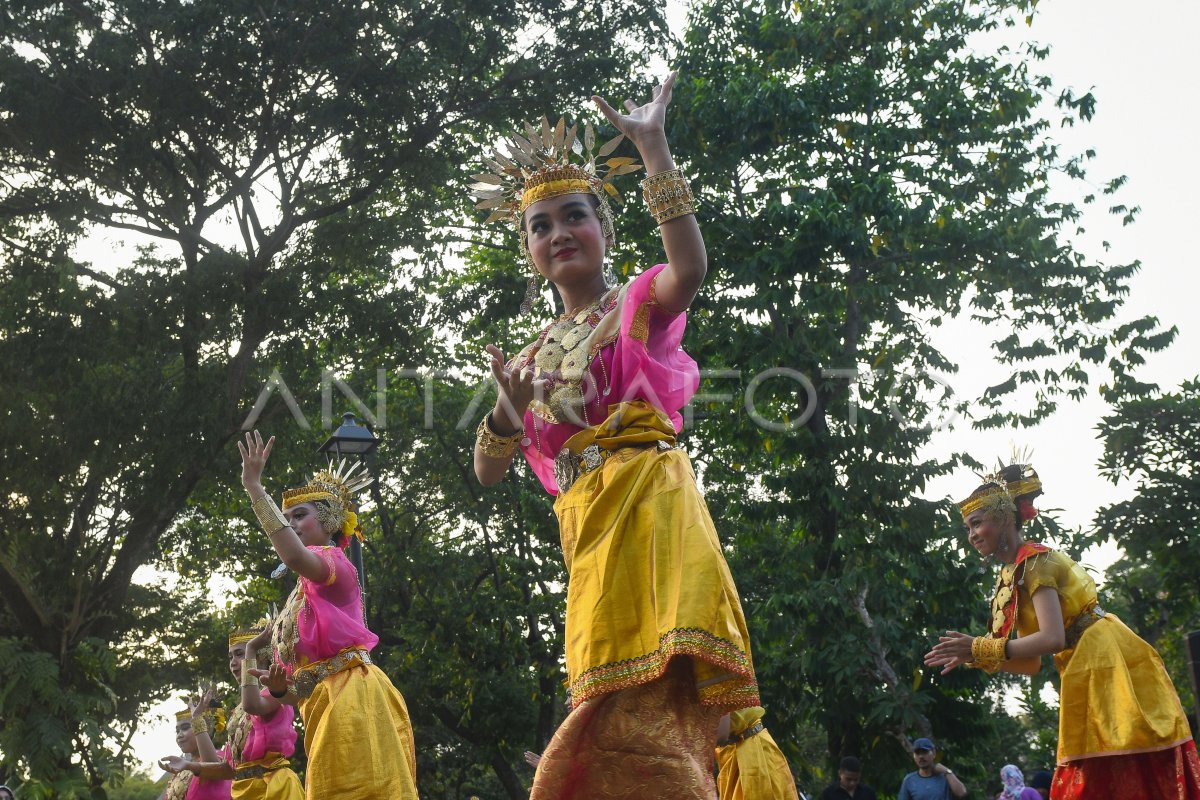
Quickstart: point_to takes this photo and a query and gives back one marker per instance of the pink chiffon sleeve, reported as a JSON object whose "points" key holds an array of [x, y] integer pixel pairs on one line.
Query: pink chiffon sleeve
{"points": [[332, 619], [649, 362], [209, 790], [273, 733]]}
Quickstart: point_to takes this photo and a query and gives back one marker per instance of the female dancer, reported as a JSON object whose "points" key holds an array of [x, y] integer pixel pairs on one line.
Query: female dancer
{"points": [[357, 734], [656, 642], [1121, 730], [750, 766], [201, 776], [260, 734]]}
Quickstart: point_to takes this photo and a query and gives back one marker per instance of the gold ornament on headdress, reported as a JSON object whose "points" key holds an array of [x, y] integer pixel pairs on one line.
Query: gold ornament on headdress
{"points": [[1028, 483], [337, 487], [243, 635], [539, 166]]}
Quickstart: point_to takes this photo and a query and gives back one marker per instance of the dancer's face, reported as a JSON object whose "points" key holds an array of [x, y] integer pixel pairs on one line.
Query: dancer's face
{"points": [[304, 521], [184, 738], [565, 238], [237, 654], [986, 532]]}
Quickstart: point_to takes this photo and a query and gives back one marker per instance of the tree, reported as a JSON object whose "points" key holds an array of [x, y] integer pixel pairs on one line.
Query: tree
{"points": [[864, 175], [289, 161], [1155, 440]]}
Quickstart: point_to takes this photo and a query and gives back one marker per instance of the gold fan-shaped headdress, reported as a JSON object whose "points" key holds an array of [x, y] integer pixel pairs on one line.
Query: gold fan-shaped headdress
{"points": [[337, 486], [539, 165]]}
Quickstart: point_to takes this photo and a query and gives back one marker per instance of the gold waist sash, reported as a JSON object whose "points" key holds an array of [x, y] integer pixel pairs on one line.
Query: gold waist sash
{"points": [[307, 677]]}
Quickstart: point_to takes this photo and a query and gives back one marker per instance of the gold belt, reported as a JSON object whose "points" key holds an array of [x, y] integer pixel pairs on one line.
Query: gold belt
{"points": [[1084, 621], [256, 771], [570, 466], [753, 730], [306, 678]]}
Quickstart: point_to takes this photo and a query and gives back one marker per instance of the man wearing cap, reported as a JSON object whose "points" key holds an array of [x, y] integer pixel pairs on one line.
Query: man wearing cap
{"points": [[849, 785], [931, 781]]}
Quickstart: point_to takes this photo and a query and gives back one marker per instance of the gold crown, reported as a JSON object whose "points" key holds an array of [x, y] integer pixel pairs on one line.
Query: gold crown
{"points": [[338, 484], [243, 635], [538, 166], [991, 493]]}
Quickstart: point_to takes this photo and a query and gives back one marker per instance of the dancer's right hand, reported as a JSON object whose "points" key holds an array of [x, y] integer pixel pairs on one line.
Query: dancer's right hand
{"points": [[173, 764], [516, 390], [254, 459]]}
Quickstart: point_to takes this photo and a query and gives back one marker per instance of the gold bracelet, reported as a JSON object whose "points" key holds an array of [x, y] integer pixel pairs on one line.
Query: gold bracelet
{"points": [[493, 444], [248, 679], [668, 196], [269, 516], [987, 653], [199, 725]]}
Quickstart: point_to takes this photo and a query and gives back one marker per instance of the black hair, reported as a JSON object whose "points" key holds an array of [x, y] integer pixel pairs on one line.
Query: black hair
{"points": [[850, 764]]}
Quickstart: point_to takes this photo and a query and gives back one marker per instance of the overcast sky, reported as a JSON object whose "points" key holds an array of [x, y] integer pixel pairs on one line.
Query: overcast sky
{"points": [[1140, 60]]}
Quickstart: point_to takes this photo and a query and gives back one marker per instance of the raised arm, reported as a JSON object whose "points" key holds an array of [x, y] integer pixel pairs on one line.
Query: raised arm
{"points": [[687, 261], [252, 698], [287, 544]]}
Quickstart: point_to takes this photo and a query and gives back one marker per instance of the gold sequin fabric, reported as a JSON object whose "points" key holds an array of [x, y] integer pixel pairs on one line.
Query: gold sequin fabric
{"points": [[238, 729], [286, 633], [177, 788], [561, 355], [654, 740]]}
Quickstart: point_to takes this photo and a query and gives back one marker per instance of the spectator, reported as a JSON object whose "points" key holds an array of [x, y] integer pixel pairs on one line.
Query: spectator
{"points": [[6, 793], [849, 785], [1014, 784], [931, 781], [1041, 781]]}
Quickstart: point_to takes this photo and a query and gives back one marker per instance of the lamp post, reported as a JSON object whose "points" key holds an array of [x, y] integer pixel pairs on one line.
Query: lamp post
{"points": [[353, 439]]}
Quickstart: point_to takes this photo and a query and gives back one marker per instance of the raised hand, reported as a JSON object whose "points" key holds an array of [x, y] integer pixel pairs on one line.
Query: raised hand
{"points": [[517, 389], [275, 679], [254, 459], [645, 123]]}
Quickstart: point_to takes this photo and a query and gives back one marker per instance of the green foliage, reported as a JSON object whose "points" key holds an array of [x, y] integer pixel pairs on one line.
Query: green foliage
{"points": [[293, 164], [1155, 441], [866, 174]]}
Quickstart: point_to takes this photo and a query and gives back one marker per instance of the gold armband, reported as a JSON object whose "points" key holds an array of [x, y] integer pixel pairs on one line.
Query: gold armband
{"points": [[987, 653], [493, 444], [249, 679], [269, 516], [668, 196], [199, 725]]}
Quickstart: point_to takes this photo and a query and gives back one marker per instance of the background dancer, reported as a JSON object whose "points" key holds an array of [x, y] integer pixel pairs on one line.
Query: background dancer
{"points": [[199, 777], [260, 733], [656, 642], [357, 733], [1121, 730]]}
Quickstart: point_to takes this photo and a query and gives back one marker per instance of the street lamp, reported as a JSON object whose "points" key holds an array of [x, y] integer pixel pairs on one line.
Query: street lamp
{"points": [[352, 439]]}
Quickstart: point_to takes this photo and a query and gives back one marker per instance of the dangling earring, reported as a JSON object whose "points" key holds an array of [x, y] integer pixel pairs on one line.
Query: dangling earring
{"points": [[533, 287], [610, 277], [533, 290], [1003, 548]]}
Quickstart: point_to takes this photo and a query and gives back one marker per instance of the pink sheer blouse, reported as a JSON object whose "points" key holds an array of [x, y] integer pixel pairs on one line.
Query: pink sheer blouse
{"points": [[644, 361], [209, 790], [323, 618]]}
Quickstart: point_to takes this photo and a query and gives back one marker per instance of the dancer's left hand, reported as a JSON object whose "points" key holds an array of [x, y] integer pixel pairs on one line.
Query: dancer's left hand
{"points": [[173, 764], [643, 122], [952, 650], [275, 679]]}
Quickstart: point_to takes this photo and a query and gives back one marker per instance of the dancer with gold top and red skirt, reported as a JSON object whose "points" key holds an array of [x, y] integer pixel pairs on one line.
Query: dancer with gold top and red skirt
{"points": [[357, 733], [200, 776], [1122, 732], [656, 641]]}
